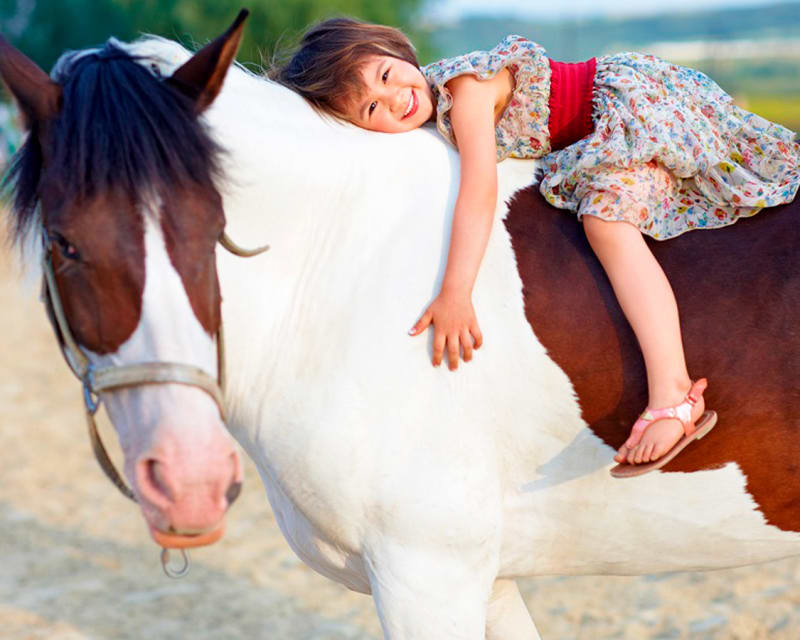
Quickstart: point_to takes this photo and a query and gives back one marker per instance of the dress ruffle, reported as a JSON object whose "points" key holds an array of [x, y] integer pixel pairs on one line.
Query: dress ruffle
{"points": [[522, 131]]}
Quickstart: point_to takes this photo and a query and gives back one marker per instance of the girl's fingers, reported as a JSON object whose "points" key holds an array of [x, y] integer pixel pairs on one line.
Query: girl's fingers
{"points": [[422, 324], [438, 346], [467, 338], [477, 336], [452, 351], [466, 345]]}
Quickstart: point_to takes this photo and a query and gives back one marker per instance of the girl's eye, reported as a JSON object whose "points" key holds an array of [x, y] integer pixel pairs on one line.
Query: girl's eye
{"points": [[372, 107], [385, 76]]}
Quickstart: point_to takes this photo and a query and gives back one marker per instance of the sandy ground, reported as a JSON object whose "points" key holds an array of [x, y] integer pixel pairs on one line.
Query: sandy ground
{"points": [[76, 560]]}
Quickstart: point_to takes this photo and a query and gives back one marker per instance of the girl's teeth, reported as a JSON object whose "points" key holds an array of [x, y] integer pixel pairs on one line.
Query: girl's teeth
{"points": [[410, 103]]}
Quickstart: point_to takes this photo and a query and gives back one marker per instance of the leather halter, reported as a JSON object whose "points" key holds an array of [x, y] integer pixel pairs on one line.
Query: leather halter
{"points": [[96, 381]]}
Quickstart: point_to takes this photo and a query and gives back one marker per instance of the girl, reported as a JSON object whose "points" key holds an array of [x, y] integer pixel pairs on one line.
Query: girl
{"points": [[632, 143]]}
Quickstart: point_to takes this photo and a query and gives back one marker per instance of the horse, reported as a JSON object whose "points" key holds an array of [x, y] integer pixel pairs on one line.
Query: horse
{"points": [[432, 490]]}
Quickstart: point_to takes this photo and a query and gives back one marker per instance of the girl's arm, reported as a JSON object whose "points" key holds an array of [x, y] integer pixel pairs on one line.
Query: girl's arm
{"points": [[451, 313]]}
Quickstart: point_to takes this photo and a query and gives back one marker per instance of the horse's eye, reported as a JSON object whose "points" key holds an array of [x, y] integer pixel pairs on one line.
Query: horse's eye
{"points": [[68, 250]]}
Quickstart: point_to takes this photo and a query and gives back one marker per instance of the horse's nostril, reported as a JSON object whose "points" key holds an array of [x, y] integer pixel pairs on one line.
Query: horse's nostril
{"points": [[233, 492], [155, 474], [152, 479]]}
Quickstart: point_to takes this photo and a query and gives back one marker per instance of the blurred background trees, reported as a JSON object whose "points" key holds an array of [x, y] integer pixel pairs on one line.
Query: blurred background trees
{"points": [[44, 29], [752, 52]]}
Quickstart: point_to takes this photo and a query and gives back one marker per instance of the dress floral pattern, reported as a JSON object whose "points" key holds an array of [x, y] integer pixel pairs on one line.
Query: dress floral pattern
{"points": [[670, 151]]}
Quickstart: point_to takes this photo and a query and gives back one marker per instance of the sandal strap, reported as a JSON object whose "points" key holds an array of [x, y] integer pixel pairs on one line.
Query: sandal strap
{"points": [[681, 412], [696, 391]]}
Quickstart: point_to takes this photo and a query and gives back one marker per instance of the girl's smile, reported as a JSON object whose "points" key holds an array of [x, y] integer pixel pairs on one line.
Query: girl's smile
{"points": [[413, 105], [396, 96]]}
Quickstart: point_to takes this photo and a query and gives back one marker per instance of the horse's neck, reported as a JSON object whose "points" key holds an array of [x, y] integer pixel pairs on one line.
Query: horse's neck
{"points": [[358, 224], [329, 199]]}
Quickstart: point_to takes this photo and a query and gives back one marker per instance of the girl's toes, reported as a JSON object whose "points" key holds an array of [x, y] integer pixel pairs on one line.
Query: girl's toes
{"points": [[632, 454], [648, 455], [623, 453]]}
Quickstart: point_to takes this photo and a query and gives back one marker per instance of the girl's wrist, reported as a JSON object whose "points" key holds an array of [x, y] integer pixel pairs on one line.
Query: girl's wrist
{"points": [[456, 289]]}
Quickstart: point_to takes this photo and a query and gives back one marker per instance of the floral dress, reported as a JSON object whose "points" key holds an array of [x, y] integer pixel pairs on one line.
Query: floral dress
{"points": [[670, 151]]}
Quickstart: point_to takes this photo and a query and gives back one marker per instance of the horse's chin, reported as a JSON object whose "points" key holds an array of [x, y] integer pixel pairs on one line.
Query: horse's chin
{"points": [[173, 540]]}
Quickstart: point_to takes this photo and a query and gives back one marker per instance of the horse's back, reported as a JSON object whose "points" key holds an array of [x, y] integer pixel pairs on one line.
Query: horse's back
{"points": [[738, 290]]}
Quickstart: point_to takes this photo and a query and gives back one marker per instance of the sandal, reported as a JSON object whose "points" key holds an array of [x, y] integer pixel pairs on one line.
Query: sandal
{"points": [[683, 413]]}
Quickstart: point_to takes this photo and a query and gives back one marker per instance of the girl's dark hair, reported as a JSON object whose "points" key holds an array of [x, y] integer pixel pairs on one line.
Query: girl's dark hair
{"points": [[325, 67]]}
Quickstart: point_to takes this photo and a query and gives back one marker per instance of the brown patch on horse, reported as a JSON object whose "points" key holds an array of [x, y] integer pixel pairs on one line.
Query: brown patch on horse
{"points": [[102, 289], [738, 291], [38, 97], [192, 220]]}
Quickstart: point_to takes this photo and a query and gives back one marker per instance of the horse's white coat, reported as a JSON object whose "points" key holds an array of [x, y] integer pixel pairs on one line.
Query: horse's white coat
{"points": [[420, 485]]}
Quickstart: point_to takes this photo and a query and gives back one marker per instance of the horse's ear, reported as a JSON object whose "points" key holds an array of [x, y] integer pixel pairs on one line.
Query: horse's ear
{"points": [[39, 97], [202, 76]]}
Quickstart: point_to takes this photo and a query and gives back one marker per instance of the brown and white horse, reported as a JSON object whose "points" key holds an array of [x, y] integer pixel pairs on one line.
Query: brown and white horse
{"points": [[113, 162], [429, 489]]}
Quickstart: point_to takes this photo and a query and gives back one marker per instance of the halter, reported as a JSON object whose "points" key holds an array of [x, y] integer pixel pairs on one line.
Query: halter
{"points": [[98, 380]]}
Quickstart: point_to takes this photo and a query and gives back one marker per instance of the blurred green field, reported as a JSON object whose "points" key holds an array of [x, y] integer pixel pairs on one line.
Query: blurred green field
{"points": [[784, 110]]}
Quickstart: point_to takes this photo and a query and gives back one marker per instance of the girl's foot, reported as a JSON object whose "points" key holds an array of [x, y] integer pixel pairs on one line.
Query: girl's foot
{"points": [[651, 440]]}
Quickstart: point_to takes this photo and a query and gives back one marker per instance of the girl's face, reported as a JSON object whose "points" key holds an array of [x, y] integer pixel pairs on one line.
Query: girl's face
{"points": [[396, 97]]}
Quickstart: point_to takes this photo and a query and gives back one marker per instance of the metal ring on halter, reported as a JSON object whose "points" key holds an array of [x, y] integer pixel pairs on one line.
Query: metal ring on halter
{"points": [[90, 398], [172, 573]]}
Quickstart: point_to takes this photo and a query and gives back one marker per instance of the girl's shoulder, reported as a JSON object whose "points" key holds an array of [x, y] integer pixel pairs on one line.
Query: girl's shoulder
{"points": [[525, 59], [484, 64]]}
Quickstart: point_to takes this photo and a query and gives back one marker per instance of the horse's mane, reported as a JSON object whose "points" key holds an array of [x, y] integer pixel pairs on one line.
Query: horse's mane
{"points": [[119, 126]]}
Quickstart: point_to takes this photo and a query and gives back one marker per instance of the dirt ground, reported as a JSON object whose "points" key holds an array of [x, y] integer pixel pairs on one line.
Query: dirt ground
{"points": [[76, 561]]}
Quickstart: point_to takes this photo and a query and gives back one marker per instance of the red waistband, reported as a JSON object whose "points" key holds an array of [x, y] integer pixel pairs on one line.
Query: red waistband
{"points": [[570, 102]]}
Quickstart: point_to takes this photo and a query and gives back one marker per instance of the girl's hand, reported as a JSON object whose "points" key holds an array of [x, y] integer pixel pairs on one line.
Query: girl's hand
{"points": [[454, 326]]}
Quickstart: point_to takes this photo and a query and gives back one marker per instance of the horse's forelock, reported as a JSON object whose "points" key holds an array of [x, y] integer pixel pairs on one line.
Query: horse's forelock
{"points": [[119, 128]]}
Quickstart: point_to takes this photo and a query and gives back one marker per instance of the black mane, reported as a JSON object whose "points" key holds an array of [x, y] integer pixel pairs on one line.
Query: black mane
{"points": [[120, 127]]}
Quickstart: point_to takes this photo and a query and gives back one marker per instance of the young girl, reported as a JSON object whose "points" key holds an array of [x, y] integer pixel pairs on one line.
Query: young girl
{"points": [[630, 142]]}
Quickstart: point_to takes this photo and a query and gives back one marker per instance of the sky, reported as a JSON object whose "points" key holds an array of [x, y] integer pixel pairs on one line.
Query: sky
{"points": [[549, 9]]}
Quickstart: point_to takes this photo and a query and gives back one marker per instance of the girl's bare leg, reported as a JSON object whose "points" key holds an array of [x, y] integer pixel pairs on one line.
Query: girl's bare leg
{"points": [[646, 298]]}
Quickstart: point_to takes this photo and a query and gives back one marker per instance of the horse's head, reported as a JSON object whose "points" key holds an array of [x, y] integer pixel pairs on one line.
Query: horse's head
{"points": [[117, 177]]}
